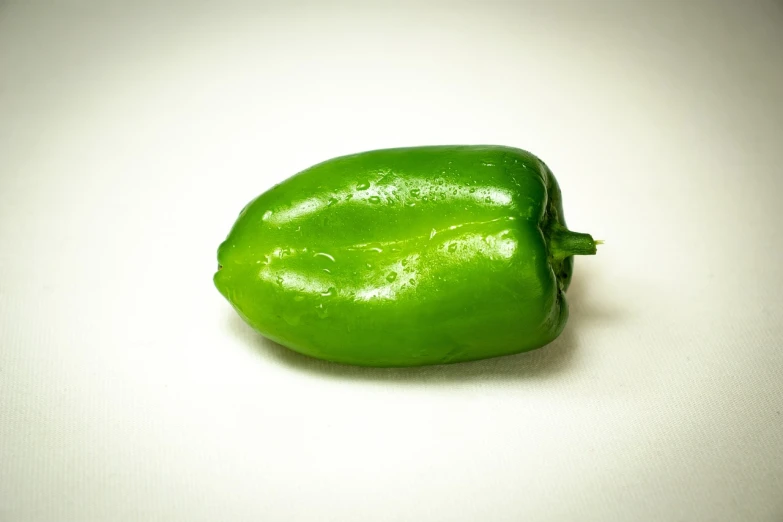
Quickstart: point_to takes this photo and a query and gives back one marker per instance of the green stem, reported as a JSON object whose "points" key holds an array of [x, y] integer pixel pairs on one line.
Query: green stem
{"points": [[564, 243]]}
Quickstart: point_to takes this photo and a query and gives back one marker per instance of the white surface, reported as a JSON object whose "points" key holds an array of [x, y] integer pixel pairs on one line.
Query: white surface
{"points": [[130, 138]]}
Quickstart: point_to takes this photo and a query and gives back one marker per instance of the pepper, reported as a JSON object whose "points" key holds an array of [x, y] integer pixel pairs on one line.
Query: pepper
{"points": [[406, 257]]}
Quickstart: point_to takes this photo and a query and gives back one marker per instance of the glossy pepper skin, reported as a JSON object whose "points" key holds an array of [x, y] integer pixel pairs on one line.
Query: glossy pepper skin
{"points": [[406, 257]]}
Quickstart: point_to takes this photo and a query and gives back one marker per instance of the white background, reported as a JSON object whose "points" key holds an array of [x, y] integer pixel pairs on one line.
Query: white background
{"points": [[131, 136]]}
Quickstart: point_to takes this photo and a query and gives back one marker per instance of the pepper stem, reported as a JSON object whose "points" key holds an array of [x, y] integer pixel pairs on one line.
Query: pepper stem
{"points": [[564, 243]]}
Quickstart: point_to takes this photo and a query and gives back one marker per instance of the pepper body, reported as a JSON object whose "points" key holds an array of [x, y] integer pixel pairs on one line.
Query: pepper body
{"points": [[406, 257]]}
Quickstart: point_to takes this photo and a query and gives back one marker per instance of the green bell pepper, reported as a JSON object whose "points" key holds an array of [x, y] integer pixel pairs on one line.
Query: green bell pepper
{"points": [[406, 257]]}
